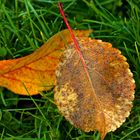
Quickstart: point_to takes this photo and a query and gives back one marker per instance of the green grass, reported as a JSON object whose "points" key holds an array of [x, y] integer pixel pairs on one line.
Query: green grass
{"points": [[27, 24]]}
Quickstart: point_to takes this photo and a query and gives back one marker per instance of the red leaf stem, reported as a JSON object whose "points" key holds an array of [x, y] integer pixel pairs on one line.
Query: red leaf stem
{"points": [[73, 38]]}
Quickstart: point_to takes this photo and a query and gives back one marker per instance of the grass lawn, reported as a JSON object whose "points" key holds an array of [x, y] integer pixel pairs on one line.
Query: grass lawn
{"points": [[27, 24]]}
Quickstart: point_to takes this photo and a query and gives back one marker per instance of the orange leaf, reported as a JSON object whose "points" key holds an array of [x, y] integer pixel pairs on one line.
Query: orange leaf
{"points": [[102, 104], [36, 72]]}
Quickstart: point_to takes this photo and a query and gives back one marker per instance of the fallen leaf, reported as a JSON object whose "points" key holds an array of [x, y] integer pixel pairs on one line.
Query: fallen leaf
{"points": [[36, 72], [104, 102]]}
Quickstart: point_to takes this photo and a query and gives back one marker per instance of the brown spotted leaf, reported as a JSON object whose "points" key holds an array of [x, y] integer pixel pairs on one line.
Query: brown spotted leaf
{"points": [[102, 104], [36, 72]]}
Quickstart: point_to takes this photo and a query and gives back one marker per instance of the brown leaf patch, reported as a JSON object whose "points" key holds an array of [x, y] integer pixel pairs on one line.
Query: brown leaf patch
{"points": [[105, 104]]}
